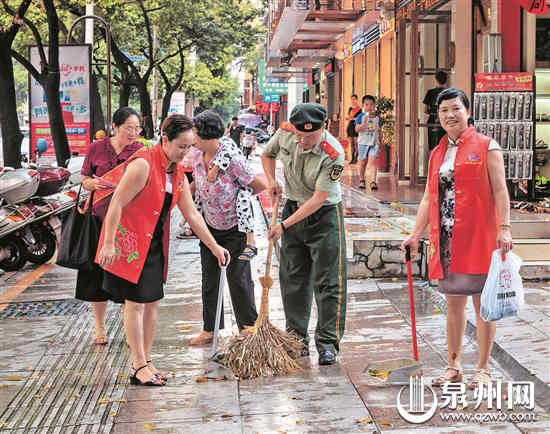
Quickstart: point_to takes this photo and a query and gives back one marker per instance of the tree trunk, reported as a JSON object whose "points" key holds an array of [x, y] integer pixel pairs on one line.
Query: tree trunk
{"points": [[124, 96], [11, 134], [98, 119], [146, 108], [166, 99], [57, 124]]}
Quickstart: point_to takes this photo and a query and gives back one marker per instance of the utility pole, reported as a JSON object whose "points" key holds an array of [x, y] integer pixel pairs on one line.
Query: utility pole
{"points": [[154, 91], [89, 28]]}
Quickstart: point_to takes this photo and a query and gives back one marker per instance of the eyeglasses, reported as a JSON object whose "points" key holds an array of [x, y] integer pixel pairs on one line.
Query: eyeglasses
{"points": [[129, 129]]}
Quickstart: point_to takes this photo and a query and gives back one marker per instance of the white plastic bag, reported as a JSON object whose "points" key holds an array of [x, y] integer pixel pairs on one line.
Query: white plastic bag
{"points": [[502, 294]]}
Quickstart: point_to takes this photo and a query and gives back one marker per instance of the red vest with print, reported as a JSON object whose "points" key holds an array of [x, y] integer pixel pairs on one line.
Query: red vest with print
{"points": [[139, 218], [475, 223]]}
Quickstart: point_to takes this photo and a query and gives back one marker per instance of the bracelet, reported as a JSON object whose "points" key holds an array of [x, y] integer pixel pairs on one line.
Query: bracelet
{"points": [[504, 225], [283, 226]]}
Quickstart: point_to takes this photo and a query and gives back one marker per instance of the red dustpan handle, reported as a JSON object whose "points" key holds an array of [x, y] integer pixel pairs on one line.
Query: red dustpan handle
{"points": [[411, 301]]}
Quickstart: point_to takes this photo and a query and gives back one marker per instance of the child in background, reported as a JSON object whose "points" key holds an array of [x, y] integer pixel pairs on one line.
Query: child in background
{"points": [[221, 161], [367, 126]]}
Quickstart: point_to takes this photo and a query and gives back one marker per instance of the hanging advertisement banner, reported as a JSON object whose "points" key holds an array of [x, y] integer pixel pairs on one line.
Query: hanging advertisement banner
{"points": [[74, 94], [505, 81]]}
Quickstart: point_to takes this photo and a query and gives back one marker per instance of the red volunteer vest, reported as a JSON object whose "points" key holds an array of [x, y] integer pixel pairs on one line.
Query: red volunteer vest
{"points": [[140, 216], [476, 221]]}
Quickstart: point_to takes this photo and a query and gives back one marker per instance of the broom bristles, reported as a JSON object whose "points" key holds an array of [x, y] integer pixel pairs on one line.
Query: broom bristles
{"points": [[263, 351]]}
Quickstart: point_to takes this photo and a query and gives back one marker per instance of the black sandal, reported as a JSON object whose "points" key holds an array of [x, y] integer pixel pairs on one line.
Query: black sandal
{"points": [[362, 184], [155, 381], [248, 255], [373, 186], [158, 374]]}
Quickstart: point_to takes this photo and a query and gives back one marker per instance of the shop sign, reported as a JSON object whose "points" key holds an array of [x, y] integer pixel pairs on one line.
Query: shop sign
{"points": [[428, 4], [272, 98], [372, 35], [387, 27], [503, 82], [406, 9], [267, 85]]}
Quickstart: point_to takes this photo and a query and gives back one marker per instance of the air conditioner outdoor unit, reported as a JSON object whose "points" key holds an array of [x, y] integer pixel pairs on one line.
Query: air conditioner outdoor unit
{"points": [[492, 53]]}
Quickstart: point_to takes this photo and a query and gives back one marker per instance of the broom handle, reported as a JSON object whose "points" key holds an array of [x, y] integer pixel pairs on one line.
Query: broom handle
{"points": [[411, 301], [275, 214]]}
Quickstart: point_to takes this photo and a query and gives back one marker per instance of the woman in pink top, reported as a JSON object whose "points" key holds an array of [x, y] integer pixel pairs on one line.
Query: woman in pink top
{"points": [[217, 201]]}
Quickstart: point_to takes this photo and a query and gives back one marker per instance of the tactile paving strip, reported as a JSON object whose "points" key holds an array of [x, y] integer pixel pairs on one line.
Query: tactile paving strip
{"points": [[48, 308]]}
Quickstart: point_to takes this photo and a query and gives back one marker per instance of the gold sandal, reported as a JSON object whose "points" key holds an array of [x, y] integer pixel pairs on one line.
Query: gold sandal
{"points": [[442, 379], [100, 337], [482, 376]]}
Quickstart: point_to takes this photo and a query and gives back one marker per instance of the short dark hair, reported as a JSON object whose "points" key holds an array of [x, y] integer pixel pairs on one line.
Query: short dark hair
{"points": [[441, 77], [452, 93], [234, 118], [122, 115], [209, 125], [354, 96], [370, 97], [175, 124]]}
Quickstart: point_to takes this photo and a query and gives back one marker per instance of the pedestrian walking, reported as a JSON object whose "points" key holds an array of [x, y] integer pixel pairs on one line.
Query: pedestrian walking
{"points": [[234, 130], [103, 155], [467, 207], [353, 111], [313, 246], [435, 133], [218, 203], [367, 126], [248, 143], [133, 247]]}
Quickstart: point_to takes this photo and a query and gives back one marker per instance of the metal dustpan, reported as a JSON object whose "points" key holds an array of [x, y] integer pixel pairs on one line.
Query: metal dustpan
{"points": [[400, 370]]}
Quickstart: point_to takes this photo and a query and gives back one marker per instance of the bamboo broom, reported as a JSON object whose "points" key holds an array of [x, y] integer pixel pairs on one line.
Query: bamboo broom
{"points": [[262, 349]]}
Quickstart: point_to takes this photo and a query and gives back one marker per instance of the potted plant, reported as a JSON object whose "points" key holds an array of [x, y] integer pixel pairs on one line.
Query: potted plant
{"points": [[384, 111]]}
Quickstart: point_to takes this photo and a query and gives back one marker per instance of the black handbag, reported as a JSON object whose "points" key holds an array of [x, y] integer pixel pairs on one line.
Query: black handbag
{"points": [[79, 238]]}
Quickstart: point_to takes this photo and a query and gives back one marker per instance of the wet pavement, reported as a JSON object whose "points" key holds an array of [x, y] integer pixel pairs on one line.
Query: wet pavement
{"points": [[52, 379]]}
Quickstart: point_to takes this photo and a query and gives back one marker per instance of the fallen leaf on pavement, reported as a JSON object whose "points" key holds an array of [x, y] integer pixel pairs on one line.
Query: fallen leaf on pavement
{"points": [[385, 423], [163, 410], [114, 414], [404, 233], [35, 377], [121, 375], [364, 419], [533, 372], [299, 421], [386, 308], [37, 396], [209, 420], [173, 375], [149, 426], [14, 378], [103, 401], [281, 431], [51, 341], [201, 380], [394, 279], [30, 368], [437, 310], [178, 348], [77, 395], [3, 385], [225, 416], [121, 400], [186, 327]]}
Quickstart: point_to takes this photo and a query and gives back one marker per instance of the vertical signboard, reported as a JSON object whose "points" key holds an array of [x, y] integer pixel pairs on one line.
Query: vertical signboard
{"points": [[74, 94], [177, 103]]}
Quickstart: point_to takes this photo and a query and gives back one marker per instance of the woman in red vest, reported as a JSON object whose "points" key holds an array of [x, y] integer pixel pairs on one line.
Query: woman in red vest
{"points": [[467, 207], [133, 247]]}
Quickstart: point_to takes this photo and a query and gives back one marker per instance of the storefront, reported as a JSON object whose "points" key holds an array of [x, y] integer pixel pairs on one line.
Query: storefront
{"points": [[387, 59]]}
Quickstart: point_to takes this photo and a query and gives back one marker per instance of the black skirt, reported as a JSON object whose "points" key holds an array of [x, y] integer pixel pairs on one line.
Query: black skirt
{"points": [[89, 285], [150, 286]]}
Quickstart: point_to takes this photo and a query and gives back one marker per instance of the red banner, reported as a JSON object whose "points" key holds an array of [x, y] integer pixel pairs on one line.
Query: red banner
{"points": [[534, 6], [506, 81]]}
